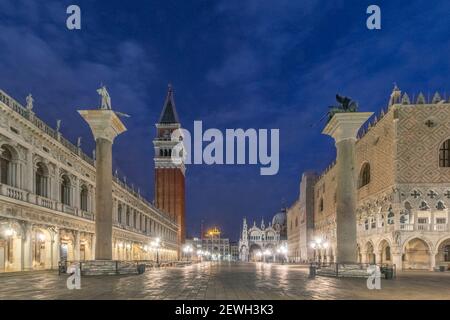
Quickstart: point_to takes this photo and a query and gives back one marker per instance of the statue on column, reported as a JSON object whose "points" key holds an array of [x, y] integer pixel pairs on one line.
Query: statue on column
{"points": [[106, 99], [345, 104]]}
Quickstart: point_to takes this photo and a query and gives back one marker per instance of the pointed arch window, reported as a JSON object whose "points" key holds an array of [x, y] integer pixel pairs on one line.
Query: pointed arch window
{"points": [[390, 216], [444, 154], [440, 205], [364, 176]]}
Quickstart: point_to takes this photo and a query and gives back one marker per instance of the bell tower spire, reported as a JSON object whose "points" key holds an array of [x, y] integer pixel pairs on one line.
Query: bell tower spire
{"points": [[169, 174]]}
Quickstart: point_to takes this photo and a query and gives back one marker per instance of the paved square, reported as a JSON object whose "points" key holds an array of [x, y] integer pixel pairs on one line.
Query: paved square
{"points": [[211, 280]]}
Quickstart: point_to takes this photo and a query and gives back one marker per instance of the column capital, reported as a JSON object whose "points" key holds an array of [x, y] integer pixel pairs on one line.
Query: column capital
{"points": [[104, 124], [345, 125]]}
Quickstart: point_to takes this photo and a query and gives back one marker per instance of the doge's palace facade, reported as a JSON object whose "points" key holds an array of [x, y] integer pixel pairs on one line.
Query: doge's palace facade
{"points": [[403, 188], [47, 190]]}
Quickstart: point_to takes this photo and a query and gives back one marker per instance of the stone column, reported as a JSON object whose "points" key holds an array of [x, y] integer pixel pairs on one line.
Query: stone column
{"points": [[105, 126], [397, 260], [343, 127]]}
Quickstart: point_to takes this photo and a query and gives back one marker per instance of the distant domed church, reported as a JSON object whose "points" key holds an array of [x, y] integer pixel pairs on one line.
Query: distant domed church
{"points": [[258, 243]]}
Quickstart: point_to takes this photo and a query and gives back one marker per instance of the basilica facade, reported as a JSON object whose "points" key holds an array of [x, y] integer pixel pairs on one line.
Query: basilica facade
{"points": [[402, 175], [47, 200], [254, 240]]}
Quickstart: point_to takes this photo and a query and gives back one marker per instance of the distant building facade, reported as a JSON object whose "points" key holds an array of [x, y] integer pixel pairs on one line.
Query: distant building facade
{"points": [[300, 221], [47, 200], [403, 179], [255, 240]]}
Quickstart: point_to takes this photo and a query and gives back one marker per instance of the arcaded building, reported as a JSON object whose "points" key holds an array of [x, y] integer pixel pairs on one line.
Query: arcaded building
{"points": [[403, 188], [47, 200]]}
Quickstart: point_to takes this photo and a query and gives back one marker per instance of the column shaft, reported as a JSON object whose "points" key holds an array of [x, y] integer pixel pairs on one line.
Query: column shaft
{"points": [[103, 197], [346, 202]]}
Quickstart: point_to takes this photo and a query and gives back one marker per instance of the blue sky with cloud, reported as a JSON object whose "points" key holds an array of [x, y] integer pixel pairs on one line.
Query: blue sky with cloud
{"points": [[233, 64]]}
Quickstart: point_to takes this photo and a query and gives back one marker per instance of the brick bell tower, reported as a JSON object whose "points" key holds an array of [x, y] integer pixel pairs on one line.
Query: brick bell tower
{"points": [[169, 174]]}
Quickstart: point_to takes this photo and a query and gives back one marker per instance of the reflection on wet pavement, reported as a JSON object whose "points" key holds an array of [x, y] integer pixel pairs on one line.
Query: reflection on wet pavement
{"points": [[212, 280]]}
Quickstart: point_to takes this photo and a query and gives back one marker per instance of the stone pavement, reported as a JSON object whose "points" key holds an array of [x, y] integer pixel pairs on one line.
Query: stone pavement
{"points": [[212, 280]]}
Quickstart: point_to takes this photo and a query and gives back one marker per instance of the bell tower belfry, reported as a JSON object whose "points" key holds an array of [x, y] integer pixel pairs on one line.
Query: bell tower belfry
{"points": [[169, 174]]}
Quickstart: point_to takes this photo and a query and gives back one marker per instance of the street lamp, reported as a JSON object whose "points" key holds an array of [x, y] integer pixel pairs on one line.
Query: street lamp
{"points": [[9, 232], [155, 244], [319, 244], [266, 252], [259, 254], [188, 250], [283, 250]]}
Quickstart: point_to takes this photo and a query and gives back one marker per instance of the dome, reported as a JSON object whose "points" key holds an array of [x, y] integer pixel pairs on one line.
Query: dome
{"points": [[279, 218]]}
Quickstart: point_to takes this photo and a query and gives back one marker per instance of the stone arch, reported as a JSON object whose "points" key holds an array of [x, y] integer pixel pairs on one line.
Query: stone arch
{"points": [[66, 245], [443, 252], [385, 250], [65, 189], [358, 253], [417, 253], [9, 162], [253, 252], [370, 252], [42, 251]]}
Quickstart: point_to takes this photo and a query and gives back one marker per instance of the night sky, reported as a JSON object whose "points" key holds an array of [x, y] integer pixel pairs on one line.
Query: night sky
{"points": [[233, 64]]}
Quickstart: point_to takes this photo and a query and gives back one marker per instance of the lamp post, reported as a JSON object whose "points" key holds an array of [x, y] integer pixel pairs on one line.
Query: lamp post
{"points": [[187, 251], [318, 244], [155, 244], [259, 254], [266, 252], [283, 250]]}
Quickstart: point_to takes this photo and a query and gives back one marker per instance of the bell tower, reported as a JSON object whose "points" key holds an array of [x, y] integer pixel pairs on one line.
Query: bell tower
{"points": [[169, 174]]}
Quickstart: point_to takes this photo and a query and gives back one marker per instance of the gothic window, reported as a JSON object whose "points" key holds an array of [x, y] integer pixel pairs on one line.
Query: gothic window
{"points": [[444, 154], [41, 178], [161, 152], [84, 198], [424, 206], [447, 253], [390, 216], [366, 224], [5, 165], [364, 177], [373, 224], [65, 190], [440, 205], [388, 253], [382, 221], [321, 205]]}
